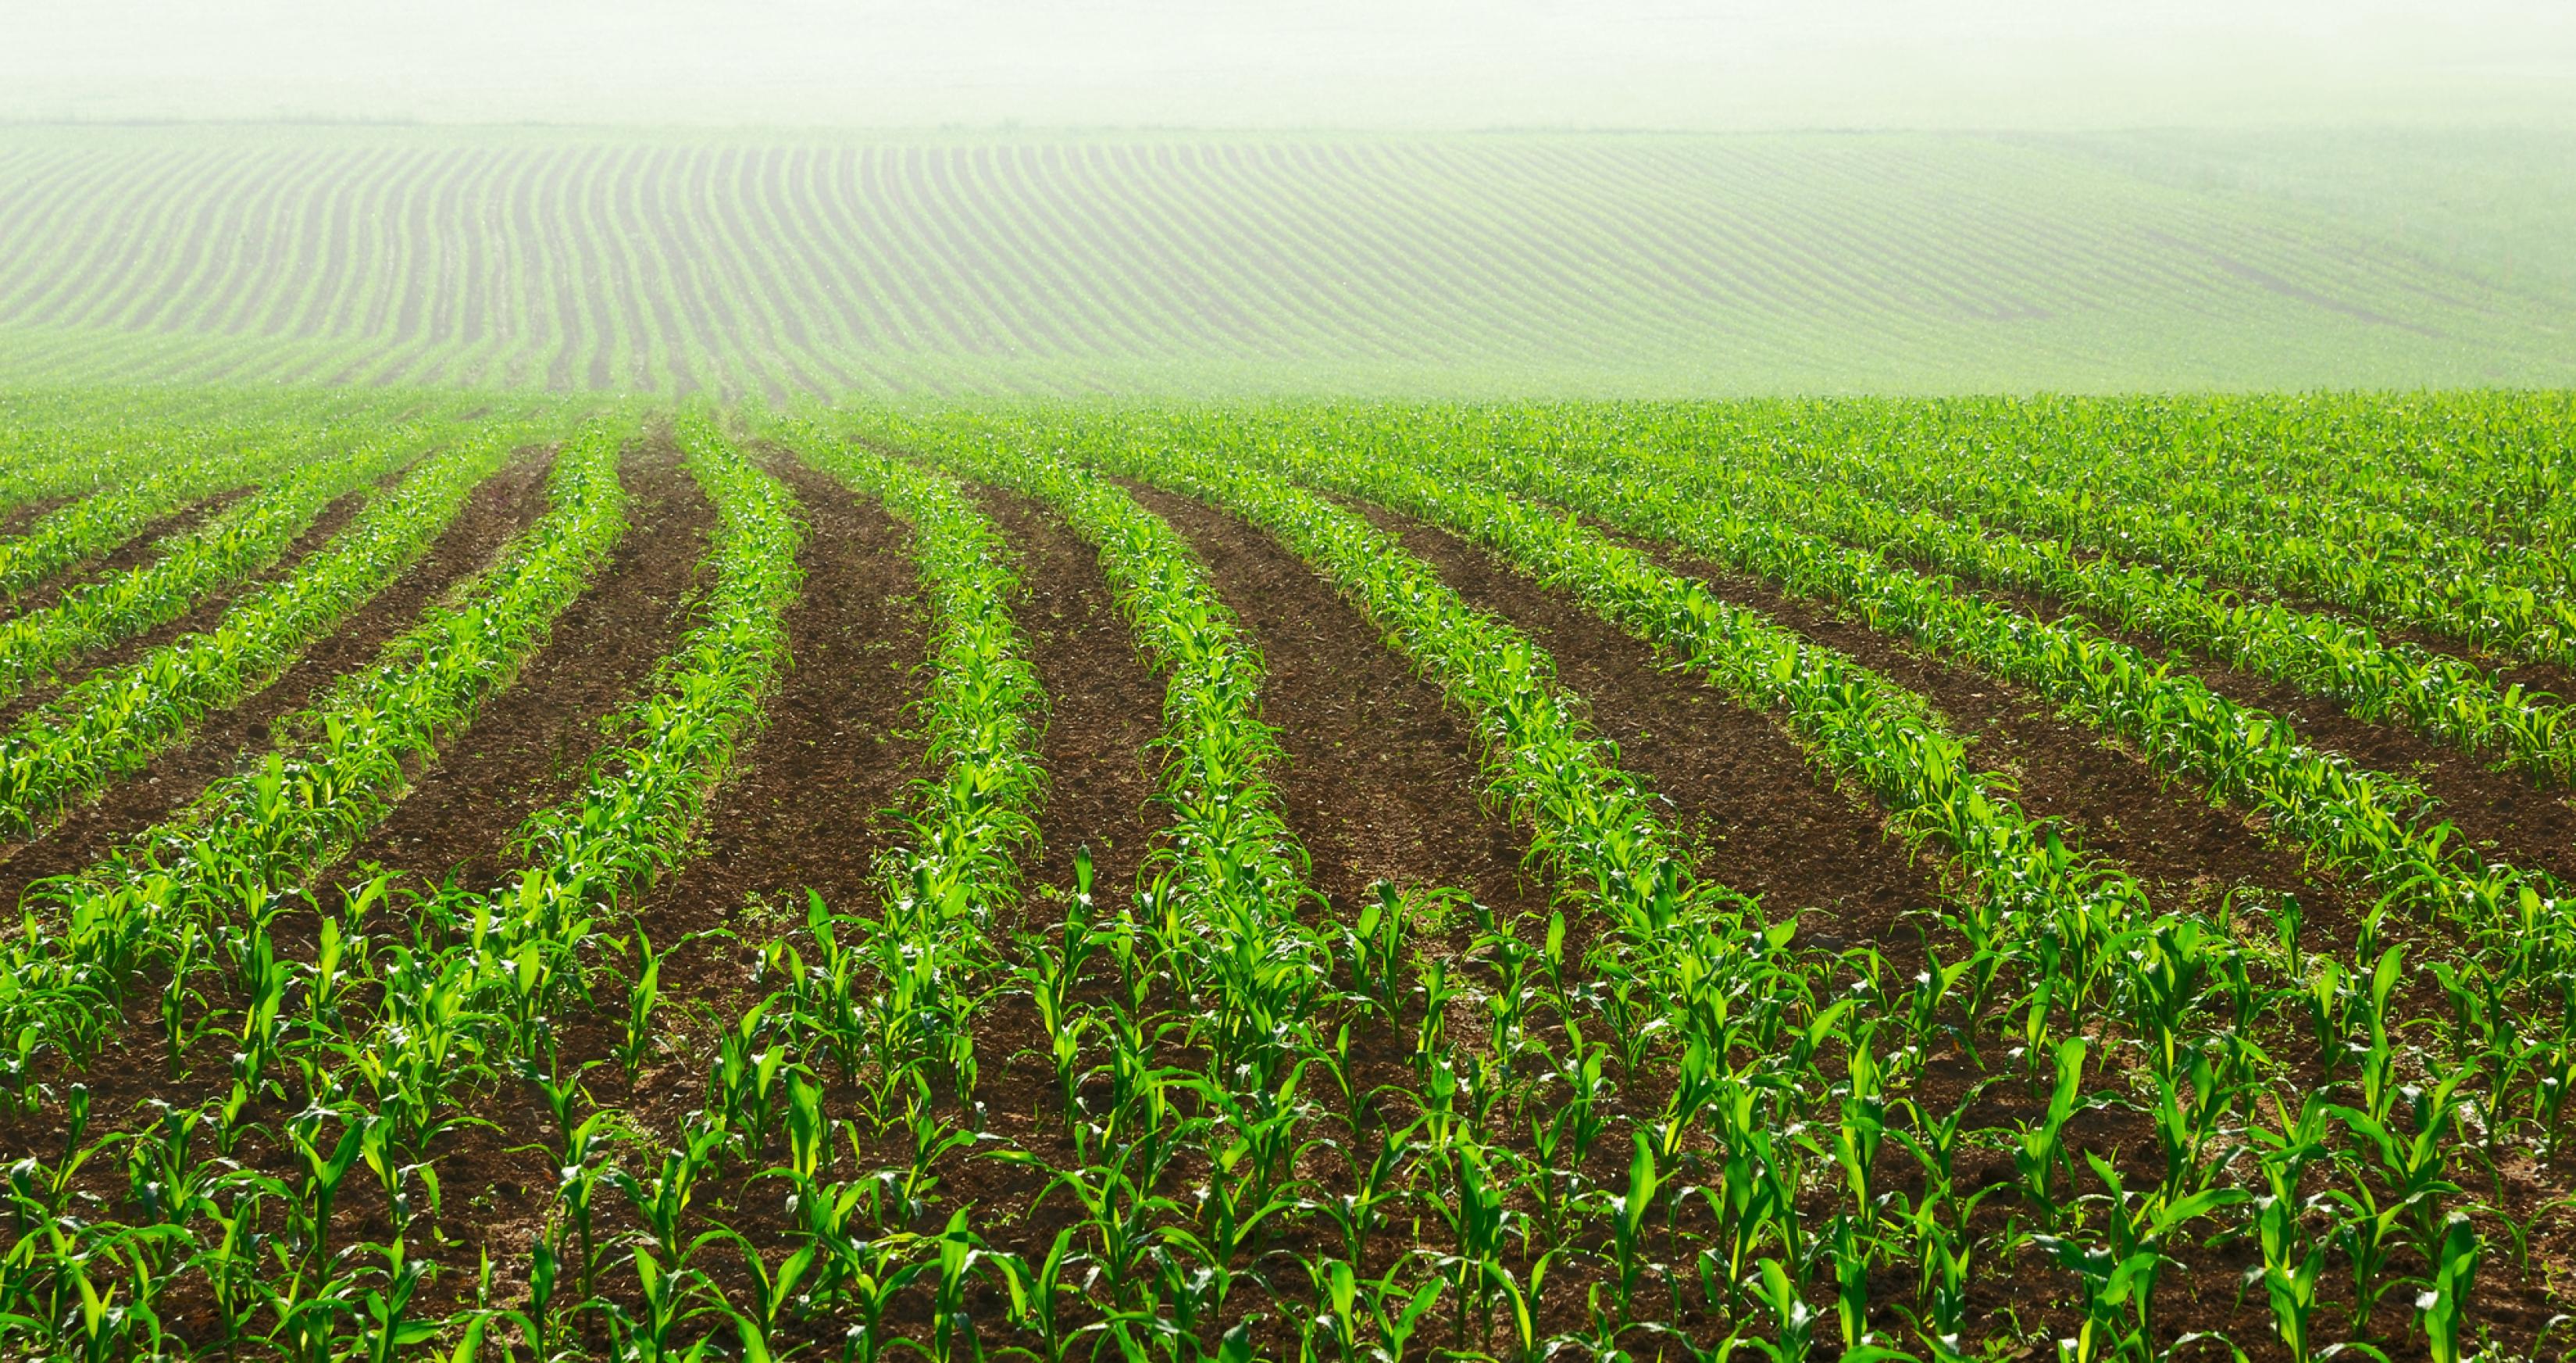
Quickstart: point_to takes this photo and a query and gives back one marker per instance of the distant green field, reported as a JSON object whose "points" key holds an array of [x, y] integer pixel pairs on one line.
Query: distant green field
{"points": [[1523, 264]]}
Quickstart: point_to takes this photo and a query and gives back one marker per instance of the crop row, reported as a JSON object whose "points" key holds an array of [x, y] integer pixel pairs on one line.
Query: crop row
{"points": [[1683, 946], [2200, 1009], [1653, 1117], [200, 898], [240, 854], [2438, 694], [2350, 818], [97, 523], [2509, 598], [1067, 265], [187, 567], [115, 721], [2429, 474], [109, 440]]}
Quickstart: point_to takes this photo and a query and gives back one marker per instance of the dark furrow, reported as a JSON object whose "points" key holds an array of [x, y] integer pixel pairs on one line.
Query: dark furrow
{"points": [[2503, 814], [2185, 851], [809, 807], [133, 553], [501, 507], [27, 513], [1759, 818], [529, 746], [1104, 707], [203, 616], [1383, 777], [802, 811]]}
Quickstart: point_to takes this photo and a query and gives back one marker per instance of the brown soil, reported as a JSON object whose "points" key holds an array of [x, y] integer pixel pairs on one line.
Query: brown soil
{"points": [[1104, 707], [1344, 700], [27, 513], [1764, 822], [2184, 850], [2186, 853], [2504, 814], [835, 750], [1383, 778], [134, 1070], [798, 813], [2179, 846], [528, 747], [807, 809], [199, 618], [2530, 674], [502, 506], [132, 554], [2532, 677]]}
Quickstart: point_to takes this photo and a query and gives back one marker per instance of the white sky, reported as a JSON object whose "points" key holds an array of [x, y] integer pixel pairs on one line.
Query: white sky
{"points": [[1301, 63]]}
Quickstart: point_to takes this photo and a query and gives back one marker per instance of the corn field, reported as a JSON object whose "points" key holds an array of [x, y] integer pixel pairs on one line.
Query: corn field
{"points": [[521, 878]]}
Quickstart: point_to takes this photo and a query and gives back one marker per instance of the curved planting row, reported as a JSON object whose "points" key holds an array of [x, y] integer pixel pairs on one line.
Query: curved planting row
{"points": [[2202, 1008], [891, 998], [1221, 1118], [521, 951], [2511, 599], [1693, 999], [2350, 818], [479, 990], [1226, 879], [2439, 695], [1590, 821], [2416, 476], [107, 518], [241, 853], [114, 722], [676, 744], [971, 823], [392, 1038], [2028, 883], [114, 439], [1291, 1002], [1149, 261], [187, 568], [199, 897]]}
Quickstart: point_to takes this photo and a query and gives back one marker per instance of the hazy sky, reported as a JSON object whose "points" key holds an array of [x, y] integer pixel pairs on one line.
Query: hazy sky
{"points": [[1337, 63]]}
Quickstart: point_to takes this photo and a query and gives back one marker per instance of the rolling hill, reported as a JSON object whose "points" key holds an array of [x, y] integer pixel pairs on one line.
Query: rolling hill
{"points": [[1523, 263]]}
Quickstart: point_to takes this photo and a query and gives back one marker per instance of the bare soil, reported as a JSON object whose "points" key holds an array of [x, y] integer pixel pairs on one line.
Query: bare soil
{"points": [[1384, 779], [502, 506], [801, 811], [530, 744], [27, 513], [1763, 820], [1104, 707], [1381, 780], [126, 557], [2185, 851], [2505, 814], [811, 806], [199, 618]]}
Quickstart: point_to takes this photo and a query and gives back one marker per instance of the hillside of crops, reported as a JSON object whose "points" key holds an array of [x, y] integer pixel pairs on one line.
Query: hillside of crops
{"points": [[552, 878], [1496, 265]]}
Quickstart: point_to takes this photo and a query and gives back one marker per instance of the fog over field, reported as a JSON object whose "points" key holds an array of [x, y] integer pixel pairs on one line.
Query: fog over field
{"points": [[1325, 196], [1315, 681], [1718, 64]]}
